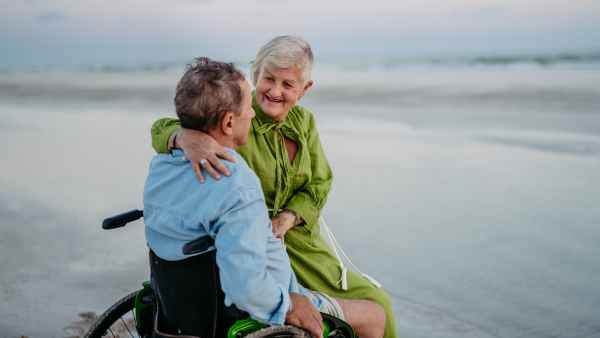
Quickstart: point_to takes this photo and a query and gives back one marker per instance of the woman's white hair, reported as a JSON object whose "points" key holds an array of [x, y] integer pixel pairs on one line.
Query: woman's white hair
{"points": [[283, 52]]}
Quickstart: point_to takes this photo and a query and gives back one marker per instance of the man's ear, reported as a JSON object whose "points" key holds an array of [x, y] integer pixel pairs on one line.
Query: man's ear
{"points": [[308, 85], [227, 123]]}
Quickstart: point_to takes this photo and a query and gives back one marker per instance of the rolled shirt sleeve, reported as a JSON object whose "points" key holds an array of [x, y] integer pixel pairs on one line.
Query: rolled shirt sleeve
{"points": [[297, 288]]}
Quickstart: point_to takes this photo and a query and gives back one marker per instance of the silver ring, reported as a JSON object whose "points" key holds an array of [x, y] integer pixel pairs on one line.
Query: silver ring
{"points": [[203, 161]]}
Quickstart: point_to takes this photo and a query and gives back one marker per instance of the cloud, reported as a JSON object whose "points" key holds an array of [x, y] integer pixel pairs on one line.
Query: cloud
{"points": [[49, 17]]}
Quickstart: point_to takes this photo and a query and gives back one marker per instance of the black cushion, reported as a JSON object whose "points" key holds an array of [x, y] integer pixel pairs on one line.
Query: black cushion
{"points": [[191, 301]]}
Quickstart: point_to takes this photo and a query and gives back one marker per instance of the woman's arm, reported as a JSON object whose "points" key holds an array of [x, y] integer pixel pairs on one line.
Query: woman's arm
{"points": [[196, 146], [161, 131]]}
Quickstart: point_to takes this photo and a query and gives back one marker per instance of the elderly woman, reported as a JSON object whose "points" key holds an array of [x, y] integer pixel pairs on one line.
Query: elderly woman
{"points": [[284, 150]]}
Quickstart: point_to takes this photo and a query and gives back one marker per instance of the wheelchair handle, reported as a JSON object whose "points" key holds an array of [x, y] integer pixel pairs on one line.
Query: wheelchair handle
{"points": [[122, 219]]}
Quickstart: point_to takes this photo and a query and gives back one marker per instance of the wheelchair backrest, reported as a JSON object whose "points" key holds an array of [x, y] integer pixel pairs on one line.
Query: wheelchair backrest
{"points": [[190, 299]]}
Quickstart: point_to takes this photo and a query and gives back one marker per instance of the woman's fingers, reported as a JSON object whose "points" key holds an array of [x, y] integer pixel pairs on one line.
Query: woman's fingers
{"points": [[210, 170], [198, 146], [280, 226], [277, 234], [198, 171], [226, 156], [216, 162], [278, 230]]}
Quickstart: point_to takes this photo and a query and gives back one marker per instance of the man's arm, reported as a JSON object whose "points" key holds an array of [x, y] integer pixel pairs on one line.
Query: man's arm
{"points": [[241, 235], [241, 241]]}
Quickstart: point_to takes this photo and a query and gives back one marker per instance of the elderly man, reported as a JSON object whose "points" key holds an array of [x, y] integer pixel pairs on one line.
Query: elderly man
{"points": [[254, 268]]}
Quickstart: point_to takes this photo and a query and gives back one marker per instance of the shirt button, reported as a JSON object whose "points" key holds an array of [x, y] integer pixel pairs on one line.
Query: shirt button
{"points": [[183, 158]]}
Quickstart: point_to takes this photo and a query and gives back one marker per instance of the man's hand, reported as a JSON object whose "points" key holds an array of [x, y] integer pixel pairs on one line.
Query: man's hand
{"points": [[197, 146], [305, 315]]}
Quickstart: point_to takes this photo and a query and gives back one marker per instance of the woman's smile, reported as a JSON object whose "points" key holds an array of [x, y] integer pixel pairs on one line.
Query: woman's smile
{"points": [[272, 99]]}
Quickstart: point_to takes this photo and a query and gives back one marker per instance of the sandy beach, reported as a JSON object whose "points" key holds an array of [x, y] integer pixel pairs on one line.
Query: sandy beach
{"points": [[472, 196]]}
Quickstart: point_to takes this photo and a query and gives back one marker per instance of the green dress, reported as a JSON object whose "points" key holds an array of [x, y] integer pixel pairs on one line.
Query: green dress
{"points": [[301, 186]]}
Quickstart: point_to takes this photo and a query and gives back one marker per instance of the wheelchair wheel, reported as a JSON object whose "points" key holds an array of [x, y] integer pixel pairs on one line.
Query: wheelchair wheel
{"points": [[285, 331], [116, 322]]}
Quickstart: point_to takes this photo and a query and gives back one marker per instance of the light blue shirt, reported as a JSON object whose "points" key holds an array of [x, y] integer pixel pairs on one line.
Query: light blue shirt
{"points": [[254, 267]]}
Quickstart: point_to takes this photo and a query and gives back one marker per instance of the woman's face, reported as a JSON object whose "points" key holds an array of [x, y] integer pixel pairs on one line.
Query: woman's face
{"points": [[278, 90]]}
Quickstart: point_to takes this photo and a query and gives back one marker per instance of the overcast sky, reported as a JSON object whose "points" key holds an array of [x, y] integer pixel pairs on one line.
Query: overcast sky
{"points": [[155, 30]]}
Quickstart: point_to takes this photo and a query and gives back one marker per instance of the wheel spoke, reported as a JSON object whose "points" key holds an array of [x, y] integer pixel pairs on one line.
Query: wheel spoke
{"points": [[134, 319], [127, 328], [111, 332]]}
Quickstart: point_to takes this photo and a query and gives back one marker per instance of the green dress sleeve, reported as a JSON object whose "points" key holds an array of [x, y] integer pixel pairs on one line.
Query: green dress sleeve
{"points": [[309, 201], [161, 130]]}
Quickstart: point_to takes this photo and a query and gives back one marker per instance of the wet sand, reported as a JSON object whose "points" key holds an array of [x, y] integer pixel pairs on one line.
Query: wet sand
{"points": [[471, 196]]}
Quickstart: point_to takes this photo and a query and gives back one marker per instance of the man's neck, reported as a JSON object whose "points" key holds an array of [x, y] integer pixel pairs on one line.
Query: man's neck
{"points": [[223, 140]]}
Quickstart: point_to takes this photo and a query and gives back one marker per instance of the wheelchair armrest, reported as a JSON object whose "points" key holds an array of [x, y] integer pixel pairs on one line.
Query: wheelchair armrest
{"points": [[198, 245], [122, 219]]}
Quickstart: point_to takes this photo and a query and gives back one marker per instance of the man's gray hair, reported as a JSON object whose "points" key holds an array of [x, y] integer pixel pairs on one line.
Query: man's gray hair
{"points": [[206, 91], [283, 52]]}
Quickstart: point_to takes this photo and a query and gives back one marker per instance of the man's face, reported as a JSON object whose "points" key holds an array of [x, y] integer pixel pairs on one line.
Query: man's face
{"points": [[242, 123]]}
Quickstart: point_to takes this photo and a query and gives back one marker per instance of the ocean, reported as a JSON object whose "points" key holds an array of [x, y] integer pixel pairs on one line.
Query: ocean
{"points": [[547, 60], [470, 189]]}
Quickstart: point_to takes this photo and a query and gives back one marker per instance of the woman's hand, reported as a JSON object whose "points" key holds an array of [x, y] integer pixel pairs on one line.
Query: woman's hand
{"points": [[197, 146], [283, 222]]}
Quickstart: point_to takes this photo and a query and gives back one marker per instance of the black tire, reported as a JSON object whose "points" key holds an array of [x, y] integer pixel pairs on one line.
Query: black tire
{"points": [[111, 322], [285, 331]]}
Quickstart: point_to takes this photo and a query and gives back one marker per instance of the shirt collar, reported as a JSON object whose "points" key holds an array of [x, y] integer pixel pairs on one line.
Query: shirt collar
{"points": [[178, 157]]}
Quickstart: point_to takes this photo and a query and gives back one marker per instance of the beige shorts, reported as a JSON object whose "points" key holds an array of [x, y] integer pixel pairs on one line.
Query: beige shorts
{"points": [[330, 305]]}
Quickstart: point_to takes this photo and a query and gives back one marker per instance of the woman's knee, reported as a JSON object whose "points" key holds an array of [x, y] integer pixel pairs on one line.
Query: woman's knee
{"points": [[382, 298]]}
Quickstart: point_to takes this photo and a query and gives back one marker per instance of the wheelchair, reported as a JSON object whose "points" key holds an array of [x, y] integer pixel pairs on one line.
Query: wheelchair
{"points": [[184, 299]]}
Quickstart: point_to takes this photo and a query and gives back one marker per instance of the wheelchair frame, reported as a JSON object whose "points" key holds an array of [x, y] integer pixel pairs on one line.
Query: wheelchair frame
{"points": [[143, 303]]}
